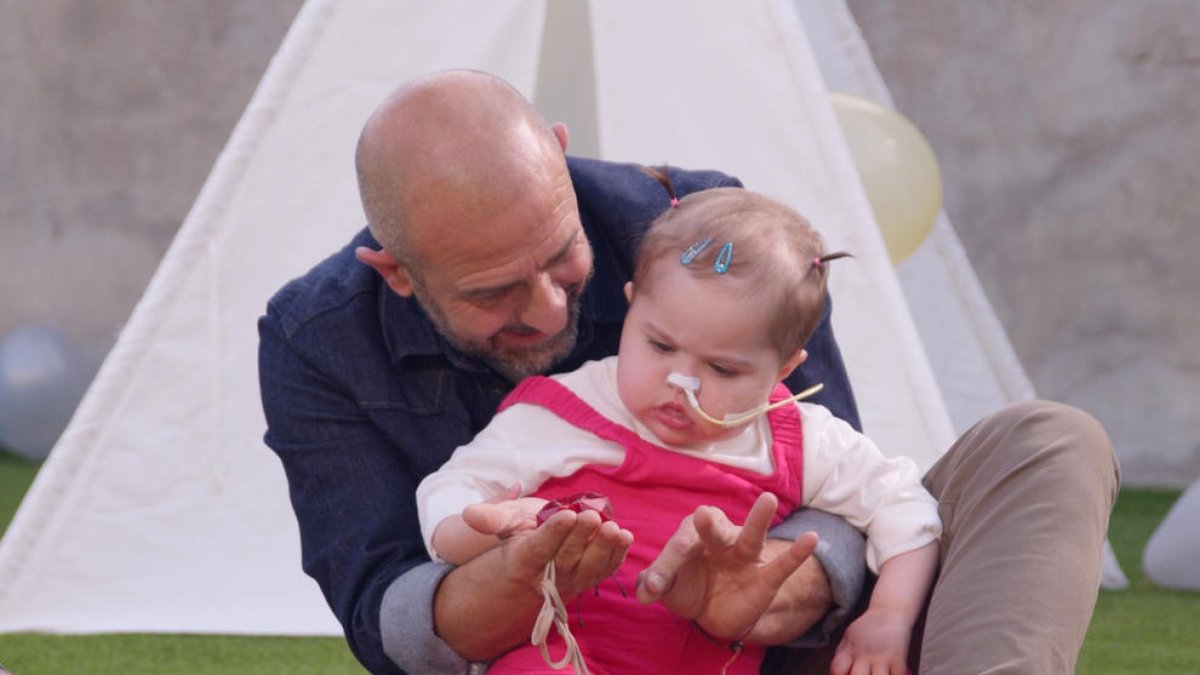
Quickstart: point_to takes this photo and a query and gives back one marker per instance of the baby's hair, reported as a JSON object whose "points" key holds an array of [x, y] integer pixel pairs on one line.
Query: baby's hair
{"points": [[778, 259]]}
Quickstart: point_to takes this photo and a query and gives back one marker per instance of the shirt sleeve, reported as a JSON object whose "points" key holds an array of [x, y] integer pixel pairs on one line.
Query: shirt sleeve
{"points": [[406, 624], [846, 474]]}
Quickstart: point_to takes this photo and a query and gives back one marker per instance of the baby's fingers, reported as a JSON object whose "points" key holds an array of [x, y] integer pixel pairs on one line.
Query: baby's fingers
{"points": [[847, 662], [843, 658]]}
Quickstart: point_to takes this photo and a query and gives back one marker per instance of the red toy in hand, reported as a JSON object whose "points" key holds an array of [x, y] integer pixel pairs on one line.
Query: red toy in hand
{"points": [[583, 501]]}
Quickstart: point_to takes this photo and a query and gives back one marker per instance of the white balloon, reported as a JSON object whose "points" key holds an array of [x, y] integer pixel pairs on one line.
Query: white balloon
{"points": [[898, 169], [42, 378]]}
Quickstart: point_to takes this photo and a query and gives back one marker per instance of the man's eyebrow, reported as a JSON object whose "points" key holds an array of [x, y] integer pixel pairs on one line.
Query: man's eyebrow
{"points": [[558, 257], [565, 250]]}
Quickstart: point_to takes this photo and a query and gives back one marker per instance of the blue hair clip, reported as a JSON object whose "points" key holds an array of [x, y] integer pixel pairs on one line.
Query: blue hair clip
{"points": [[694, 250], [721, 266]]}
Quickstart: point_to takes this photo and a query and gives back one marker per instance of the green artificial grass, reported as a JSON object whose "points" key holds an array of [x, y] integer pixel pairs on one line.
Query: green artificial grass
{"points": [[31, 654], [16, 473], [1144, 629]]}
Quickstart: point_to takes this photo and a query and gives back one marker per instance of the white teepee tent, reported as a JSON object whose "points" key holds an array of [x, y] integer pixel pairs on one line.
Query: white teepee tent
{"points": [[161, 510]]}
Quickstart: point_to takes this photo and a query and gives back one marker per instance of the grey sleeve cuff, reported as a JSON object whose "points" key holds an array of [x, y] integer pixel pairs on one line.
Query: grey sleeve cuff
{"points": [[406, 624], [842, 552]]}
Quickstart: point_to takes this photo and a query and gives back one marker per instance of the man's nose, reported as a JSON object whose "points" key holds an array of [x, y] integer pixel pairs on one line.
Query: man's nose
{"points": [[546, 309]]}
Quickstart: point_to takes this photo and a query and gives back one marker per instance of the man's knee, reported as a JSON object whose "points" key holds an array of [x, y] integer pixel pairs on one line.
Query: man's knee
{"points": [[1024, 445], [1056, 437], [1062, 427]]}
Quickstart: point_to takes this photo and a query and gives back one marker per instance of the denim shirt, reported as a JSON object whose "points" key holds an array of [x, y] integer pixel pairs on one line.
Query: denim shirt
{"points": [[363, 398]]}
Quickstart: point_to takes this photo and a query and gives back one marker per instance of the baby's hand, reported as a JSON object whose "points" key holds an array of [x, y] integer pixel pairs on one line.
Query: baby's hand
{"points": [[877, 642], [504, 517]]}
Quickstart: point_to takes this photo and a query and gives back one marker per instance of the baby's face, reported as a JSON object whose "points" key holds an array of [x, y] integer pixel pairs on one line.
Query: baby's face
{"points": [[700, 329]]}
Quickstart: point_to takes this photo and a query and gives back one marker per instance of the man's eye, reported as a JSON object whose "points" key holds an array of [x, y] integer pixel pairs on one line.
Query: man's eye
{"points": [[487, 299]]}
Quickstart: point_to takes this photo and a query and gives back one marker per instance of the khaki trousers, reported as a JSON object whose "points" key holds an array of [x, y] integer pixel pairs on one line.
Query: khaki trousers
{"points": [[1024, 498]]}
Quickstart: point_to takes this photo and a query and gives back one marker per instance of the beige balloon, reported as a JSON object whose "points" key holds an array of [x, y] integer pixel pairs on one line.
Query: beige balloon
{"points": [[898, 169]]}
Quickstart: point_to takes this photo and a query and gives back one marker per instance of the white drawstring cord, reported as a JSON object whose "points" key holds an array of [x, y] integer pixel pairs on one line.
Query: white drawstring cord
{"points": [[554, 613]]}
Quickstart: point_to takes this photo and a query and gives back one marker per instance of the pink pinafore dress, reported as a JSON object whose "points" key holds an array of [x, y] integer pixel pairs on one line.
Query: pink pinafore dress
{"points": [[651, 491]]}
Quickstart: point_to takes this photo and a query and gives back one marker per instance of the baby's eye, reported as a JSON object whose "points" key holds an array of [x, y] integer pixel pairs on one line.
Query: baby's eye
{"points": [[722, 370], [661, 347]]}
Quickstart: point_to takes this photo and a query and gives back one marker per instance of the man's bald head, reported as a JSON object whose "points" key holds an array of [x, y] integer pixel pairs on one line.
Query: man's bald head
{"points": [[451, 143]]}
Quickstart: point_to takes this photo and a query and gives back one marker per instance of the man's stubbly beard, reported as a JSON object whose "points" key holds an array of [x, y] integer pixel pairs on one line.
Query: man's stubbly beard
{"points": [[513, 363]]}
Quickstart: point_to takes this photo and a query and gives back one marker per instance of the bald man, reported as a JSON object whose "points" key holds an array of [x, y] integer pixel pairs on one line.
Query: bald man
{"points": [[491, 256]]}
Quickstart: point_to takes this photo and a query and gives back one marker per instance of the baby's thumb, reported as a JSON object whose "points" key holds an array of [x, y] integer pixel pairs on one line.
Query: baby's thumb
{"points": [[485, 518]]}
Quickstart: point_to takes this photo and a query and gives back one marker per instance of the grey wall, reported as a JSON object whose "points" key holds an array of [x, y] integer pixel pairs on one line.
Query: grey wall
{"points": [[1068, 137], [1066, 133], [111, 115]]}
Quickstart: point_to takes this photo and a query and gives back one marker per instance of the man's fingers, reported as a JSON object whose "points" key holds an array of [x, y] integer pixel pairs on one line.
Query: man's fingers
{"points": [[659, 577], [754, 532], [778, 569], [716, 531], [621, 539], [603, 555], [531, 553], [570, 552]]}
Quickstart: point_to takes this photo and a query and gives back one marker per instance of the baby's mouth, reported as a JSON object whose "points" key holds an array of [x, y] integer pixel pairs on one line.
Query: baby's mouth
{"points": [[672, 415]]}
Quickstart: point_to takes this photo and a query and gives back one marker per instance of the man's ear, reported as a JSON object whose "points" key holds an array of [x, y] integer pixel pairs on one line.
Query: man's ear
{"points": [[629, 291], [560, 132], [792, 363], [393, 272]]}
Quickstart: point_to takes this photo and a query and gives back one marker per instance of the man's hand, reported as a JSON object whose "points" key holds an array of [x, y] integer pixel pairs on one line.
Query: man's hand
{"points": [[716, 573], [589, 552], [488, 605]]}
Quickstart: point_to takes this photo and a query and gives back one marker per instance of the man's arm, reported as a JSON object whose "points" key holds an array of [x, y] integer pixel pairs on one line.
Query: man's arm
{"points": [[802, 601], [829, 586], [352, 492]]}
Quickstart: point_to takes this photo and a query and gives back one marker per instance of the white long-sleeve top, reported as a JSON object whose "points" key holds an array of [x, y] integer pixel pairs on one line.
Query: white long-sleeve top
{"points": [[844, 472]]}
